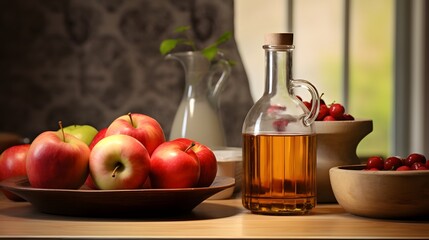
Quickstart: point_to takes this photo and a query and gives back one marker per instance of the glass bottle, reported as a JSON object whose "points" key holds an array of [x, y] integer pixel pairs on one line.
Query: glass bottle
{"points": [[279, 141]]}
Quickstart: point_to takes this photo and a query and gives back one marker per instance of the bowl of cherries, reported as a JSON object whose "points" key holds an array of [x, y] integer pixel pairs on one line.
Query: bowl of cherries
{"points": [[392, 188], [338, 135]]}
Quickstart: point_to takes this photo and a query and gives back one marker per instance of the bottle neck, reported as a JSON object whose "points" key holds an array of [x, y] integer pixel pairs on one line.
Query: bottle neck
{"points": [[278, 69]]}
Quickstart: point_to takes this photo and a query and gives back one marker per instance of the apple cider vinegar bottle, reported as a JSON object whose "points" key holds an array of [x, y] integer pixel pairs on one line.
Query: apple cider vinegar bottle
{"points": [[279, 142]]}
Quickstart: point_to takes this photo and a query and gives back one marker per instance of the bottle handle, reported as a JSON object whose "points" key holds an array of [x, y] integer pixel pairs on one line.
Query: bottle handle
{"points": [[315, 100]]}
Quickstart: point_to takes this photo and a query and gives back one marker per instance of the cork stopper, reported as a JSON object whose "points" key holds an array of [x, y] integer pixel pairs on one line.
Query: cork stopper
{"points": [[279, 39]]}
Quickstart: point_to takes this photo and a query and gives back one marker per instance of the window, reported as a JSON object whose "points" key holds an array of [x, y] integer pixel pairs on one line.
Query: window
{"points": [[345, 48], [353, 51]]}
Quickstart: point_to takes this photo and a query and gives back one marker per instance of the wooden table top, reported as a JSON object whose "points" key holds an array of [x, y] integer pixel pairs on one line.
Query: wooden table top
{"points": [[211, 219]]}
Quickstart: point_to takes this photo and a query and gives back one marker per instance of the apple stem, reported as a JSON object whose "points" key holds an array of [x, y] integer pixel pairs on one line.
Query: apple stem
{"points": [[115, 170], [60, 123], [190, 146], [131, 119]]}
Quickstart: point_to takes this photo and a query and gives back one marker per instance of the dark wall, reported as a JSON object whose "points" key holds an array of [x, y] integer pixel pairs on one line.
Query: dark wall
{"points": [[88, 62]]}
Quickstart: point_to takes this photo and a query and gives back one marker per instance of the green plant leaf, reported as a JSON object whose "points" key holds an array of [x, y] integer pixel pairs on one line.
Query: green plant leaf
{"points": [[232, 63], [182, 29], [223, 38], [168, 45], [210, 52], [189, 43]]}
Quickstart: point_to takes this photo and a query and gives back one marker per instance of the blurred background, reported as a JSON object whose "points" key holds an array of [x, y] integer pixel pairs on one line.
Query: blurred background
{"points": [[371, 56], [87, 62]]}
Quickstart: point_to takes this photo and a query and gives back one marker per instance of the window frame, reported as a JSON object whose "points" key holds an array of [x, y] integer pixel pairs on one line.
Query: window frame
{"points": [[410, 123]]}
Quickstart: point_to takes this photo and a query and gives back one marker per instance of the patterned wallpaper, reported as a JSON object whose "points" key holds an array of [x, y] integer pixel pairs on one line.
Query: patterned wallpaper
{"points": [[88, 62]]}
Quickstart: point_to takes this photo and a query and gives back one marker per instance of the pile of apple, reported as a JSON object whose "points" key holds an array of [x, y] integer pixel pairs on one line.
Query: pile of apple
{"points": [[131, 153]]}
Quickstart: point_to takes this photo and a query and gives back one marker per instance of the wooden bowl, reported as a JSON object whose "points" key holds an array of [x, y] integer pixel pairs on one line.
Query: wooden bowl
{"points": [[229, 164], [381, 194], [336, 146], [115, 203]]}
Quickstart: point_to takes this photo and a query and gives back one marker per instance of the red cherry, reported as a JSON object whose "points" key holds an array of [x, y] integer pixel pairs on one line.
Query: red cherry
{"points": [[329, 118], [392, 163], [280, 124], [307, 104], [276, 108], [373, 169], [375, 162], [417, 165], [323, 112], [336, 110], [414, 157], [347, 116], [427, 164], [403, 168], [321, 100]]}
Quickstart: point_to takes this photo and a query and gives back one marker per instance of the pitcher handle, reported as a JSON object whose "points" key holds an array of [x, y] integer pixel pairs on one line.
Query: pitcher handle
{"points": [[215, 85], [315, 100]]}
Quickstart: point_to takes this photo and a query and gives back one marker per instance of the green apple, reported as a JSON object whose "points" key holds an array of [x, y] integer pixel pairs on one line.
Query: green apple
{"points": [[83, 132]]}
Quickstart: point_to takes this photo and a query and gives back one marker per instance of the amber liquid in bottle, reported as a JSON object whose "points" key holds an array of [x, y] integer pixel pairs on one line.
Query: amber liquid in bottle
{"points": [[279, 172]]}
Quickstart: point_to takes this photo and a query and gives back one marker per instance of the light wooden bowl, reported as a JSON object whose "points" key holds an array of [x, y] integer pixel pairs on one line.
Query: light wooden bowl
{"points": [[381, 194], [229, 164], [336, 146]]}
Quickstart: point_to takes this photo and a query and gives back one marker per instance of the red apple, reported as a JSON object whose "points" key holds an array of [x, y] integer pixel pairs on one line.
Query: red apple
{"points": [[100, 135], [174, 165], [147, 184], [12, 164], [90, 183], [57, 160], [208, 163], [119, 162], [142, 127]]}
